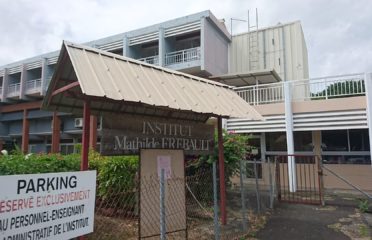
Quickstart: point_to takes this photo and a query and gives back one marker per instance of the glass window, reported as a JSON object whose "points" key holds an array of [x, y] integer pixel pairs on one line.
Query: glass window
{"points": [[342, 159], [67, 149], [359, 140], [276, 141], [334, 140], [303, 141]]}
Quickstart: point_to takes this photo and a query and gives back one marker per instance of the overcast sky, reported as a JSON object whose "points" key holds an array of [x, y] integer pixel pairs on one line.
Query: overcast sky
{"points": [[338, 32]]}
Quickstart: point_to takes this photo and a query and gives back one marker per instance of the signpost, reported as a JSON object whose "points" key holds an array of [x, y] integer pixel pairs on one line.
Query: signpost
{"points": [[47, 206]]}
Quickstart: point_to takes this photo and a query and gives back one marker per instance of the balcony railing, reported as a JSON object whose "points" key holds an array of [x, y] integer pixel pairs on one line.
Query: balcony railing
{"points": [[33, 86], [151, 60], [304, 90], [14, 89], [182, 56]]}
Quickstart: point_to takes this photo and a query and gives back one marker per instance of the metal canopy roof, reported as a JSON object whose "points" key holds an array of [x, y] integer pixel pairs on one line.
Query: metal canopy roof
{"points": [[248, 78], [113, 83]]}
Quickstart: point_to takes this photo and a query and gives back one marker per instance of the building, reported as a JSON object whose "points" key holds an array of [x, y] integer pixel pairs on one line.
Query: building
{"points": [[267, 66], [195, 44]]}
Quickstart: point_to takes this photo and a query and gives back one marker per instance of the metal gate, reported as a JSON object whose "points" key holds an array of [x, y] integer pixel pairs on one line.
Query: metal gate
{"points": [[299, 179]]}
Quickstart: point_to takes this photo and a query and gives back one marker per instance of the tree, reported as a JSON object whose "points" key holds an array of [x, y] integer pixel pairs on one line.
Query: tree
{"points": [[236, 148], [340, 89]]}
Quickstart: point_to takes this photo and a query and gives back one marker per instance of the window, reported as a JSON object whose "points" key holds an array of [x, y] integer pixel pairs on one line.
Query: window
{"points": [[359, 140], [345, 140], [346, 146], [334, 140], [276, 141], [303, 141]]}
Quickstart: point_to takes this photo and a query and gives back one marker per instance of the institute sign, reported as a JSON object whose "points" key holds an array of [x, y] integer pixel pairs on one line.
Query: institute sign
{"points": [[123, 135]]}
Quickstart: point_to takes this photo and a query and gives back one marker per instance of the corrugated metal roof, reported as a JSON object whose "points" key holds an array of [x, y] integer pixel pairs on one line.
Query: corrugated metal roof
{"points": [[248, 78], [109, 76]]}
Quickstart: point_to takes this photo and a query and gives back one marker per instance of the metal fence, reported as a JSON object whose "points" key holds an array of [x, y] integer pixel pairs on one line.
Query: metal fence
{"points": [[151, 60], [298, 178], [186, 55], [304, 90], [117, 216]]}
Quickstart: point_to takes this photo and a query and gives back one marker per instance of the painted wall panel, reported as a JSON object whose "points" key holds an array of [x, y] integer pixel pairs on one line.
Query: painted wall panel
{"points": [[15, 127], [280, 47], [40, 126], [215, 50]]}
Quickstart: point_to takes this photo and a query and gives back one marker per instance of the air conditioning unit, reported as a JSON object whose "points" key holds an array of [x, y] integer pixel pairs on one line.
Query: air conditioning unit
{"points": [[78, 122]]}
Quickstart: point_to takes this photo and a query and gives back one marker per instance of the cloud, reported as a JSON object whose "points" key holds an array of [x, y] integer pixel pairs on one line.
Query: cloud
{"points": [[337, 33]]}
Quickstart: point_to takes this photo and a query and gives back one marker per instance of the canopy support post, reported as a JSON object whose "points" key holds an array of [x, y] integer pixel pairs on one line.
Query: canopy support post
{"points": [[85, 140], [221, 163]]}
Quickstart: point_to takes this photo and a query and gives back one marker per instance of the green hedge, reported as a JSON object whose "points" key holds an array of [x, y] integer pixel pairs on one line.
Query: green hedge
{"points": [[114, 174]]}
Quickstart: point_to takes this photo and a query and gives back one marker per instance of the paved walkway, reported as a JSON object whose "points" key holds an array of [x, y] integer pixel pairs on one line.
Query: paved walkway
{"points": [[296, 221]]}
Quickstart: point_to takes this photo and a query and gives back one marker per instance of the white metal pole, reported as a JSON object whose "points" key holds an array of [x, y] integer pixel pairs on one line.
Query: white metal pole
{"points": [[289, 134], [368, 86], [162, 206]]}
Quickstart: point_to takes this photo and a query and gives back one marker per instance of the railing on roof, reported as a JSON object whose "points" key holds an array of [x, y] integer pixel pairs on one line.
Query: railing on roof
{"points": [[14, 89], [186, 55], [304, 90], [33, 86], [151, 60]]}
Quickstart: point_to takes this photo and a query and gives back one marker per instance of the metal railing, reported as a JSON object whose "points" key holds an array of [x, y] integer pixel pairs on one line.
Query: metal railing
{"points": [[14, 89], [307, 89], [33, 85], [186, 55], [151, 60], [262, 94]]}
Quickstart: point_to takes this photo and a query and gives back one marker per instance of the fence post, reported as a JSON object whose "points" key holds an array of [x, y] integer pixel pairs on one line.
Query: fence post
{"points": [[215, 204], [321, 180], [271, 185], [325, 87], [162, 206], [257, 189], [242, 193]]}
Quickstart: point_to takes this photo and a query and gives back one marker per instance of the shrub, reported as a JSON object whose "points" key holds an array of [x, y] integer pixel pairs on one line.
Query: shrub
{"points": [[115, 175], [235, 149], [18, 163]]}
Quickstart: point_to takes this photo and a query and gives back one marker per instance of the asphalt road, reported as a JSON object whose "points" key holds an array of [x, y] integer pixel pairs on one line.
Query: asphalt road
{"points": [[307, 222]]}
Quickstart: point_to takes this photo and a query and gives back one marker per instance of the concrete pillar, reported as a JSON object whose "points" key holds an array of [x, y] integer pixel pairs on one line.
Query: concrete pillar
{"points": [[162, 47], [289, 133], [23, 85], [44, 74], [56, 133], [5, 85], [93, 133], [263, 146], [25, 131], [202, 42], [126, 49], [368, 86]]}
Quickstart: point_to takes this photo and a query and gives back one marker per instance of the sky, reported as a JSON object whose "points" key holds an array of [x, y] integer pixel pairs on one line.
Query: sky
{"points": [[338, 33]]}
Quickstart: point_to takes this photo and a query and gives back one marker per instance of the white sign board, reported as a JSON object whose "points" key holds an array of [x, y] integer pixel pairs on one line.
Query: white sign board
{"points": [[164, 162], [47, 206]]}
